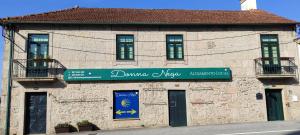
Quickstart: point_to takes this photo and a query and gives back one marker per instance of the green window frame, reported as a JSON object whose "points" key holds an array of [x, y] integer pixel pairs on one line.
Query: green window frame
{"points": [[270, 48], [125, 47], [175, 49], [270, 53]]}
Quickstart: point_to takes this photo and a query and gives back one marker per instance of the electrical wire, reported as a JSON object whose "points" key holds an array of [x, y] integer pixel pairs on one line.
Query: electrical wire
{"points": [[107, 39], [236, 51], [105, 53]]}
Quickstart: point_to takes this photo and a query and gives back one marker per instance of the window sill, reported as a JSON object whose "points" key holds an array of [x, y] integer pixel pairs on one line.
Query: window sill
{"points": [[125, 61], [181, 61], [126, 119], [175, 60]]}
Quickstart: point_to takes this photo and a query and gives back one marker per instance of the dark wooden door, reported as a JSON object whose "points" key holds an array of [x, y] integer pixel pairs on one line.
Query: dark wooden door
{"points": [[274, 105], [36, 109], [177, 108]]}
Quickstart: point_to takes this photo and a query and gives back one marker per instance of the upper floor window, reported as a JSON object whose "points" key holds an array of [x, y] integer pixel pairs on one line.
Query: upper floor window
{"points": [[37, 51], [175, 47], [38, 46], [270, 46], [125, 47], [270, 54]]}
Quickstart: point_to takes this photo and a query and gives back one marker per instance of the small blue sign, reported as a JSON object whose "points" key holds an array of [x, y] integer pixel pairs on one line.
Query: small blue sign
{"points": [[126, 104]]}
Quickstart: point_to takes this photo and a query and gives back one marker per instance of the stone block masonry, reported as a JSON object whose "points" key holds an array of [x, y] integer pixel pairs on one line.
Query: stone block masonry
{"points": [[207, 102]]}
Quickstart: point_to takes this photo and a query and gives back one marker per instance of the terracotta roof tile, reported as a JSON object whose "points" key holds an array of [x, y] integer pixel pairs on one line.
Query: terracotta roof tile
{"points": [[151, 16], [242, 1]]}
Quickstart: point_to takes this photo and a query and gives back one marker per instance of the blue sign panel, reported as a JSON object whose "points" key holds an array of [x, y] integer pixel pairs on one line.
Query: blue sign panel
{"points": [[126, 104]]}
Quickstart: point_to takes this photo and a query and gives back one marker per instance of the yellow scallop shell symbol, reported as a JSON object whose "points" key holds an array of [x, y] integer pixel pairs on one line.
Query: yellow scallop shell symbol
{"points": [[125, 103]]}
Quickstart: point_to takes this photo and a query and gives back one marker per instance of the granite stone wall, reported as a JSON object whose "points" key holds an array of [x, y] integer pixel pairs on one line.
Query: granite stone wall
{"points": [[207, 102]]}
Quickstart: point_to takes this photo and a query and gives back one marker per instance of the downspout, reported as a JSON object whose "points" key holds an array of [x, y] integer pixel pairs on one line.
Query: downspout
{"points": [[9, 83]]}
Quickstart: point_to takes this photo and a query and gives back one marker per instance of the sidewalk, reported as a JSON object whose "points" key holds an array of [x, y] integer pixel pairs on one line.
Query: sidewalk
{"points": [[264, 128]]}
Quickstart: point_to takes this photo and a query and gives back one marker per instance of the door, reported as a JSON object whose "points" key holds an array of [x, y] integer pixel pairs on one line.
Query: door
{"points": [[37, 66], [274, 105], [270, 54], [177, 108], [35, 112]]}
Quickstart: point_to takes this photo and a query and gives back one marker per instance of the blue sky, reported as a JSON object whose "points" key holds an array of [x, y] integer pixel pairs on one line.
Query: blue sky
{"points": [[286, 8]]}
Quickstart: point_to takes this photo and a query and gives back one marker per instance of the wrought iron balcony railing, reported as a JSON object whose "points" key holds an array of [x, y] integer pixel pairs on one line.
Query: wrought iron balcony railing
{"points": [[37, 70], [283, 67]]}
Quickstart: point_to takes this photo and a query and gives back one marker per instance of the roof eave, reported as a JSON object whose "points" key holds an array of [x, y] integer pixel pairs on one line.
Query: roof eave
{"points": [[2, 23]]}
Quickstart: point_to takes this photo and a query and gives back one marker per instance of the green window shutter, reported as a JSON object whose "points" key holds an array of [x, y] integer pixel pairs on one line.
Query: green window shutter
{"points": [[179, 51], [130, 52], [171, 51], [122, 51]]}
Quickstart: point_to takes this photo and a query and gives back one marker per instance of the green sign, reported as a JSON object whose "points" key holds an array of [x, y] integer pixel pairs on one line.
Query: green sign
{"points": [[147, 74]]}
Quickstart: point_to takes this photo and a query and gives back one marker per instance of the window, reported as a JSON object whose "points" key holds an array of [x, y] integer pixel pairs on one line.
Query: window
{"points": [[175, 47], [38, 46], [270, 49], [270, 53], [37, 50], [126, 104], [125, 47]]}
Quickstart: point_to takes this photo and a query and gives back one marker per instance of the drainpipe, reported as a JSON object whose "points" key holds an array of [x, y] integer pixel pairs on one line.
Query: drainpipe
{"points": [[9, 83]]}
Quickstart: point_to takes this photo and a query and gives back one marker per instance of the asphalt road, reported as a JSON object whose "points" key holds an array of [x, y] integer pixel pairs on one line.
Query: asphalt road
{"points": [[265, 128]]}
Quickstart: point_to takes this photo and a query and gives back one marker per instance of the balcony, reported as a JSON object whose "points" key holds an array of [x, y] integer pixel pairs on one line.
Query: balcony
{"points": [[32, 70], [276, 68]]}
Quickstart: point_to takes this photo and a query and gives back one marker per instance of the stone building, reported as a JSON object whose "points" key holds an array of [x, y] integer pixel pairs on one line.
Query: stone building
{"points": [[127, 68]]}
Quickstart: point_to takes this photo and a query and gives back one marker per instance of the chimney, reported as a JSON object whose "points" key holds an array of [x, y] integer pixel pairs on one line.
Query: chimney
{"points": [[248, 4]]}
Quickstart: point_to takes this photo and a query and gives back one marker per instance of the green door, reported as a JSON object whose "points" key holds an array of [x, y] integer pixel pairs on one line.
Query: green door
{"points": [[274, 105], [270, 54], [177, 108]]}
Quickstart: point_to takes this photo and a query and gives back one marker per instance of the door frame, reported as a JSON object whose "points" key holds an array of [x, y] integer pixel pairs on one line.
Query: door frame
{"points": [[186, 105], [25, 110], [282, 102]]}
